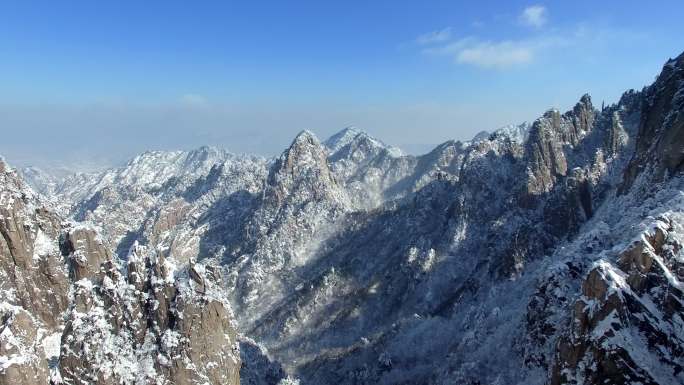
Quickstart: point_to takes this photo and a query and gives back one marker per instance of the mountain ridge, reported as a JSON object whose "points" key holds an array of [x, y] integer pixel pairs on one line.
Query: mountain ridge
{"points": [[542, 253]]}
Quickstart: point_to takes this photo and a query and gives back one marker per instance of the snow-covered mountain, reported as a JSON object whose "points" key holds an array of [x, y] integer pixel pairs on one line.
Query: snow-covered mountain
{"points": [[542, 253], [72, 312]]}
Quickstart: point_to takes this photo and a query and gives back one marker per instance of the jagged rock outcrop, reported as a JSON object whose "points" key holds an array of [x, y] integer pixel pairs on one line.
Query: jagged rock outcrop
{"points": [[300, 203], [661, 128], [547, 138], [302, 168], [84, 250], [154, 325], [300, 196], [626, 324], [33, 282]]}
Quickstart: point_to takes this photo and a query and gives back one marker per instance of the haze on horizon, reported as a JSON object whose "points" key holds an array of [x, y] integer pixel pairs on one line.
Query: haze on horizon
{"points": [[90, 84]]}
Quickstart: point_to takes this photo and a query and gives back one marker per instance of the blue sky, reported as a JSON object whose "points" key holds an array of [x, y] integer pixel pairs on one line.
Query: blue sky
{"points": [[94, 82]]}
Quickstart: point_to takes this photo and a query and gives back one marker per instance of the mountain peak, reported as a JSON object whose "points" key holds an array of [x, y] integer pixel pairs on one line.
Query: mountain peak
{"points": [[342, 138], [305, 142], [305, 150], [676, 62], [305, 135], [586, 101], [207, 154], [349, 130], [350, 135]]}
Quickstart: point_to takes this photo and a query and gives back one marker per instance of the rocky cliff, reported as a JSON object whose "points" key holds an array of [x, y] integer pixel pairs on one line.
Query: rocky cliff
{"points": [[155, 324], [72, 312]]}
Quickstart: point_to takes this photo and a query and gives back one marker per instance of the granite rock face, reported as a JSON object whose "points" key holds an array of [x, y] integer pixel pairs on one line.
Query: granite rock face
{"points": [[661, 128], [625, 324], [23, 359], [154, 325], [300, 196], [33, 282], [84, 250], [71, 312]]}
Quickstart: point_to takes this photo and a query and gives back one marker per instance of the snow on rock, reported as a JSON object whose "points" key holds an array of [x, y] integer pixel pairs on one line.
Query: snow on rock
{"points": [[627, 324], [351, 134], [153, 192], [148, 321], [22, 359], [154, 324], [33, 281]]}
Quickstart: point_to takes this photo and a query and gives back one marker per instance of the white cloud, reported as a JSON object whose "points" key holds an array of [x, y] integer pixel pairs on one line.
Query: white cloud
{"points": [[452, 47], [494, 54], [433, 37], [497, 55], [534, 16], [539, 46]]}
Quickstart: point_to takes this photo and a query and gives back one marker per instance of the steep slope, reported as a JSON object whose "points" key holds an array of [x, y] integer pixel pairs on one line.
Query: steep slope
{"points": [[40, 257], [299, 206], [71, 314], [156, 324], [661, 130], [435, 274], [627, 322], [366, 167], [33, 283]]}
